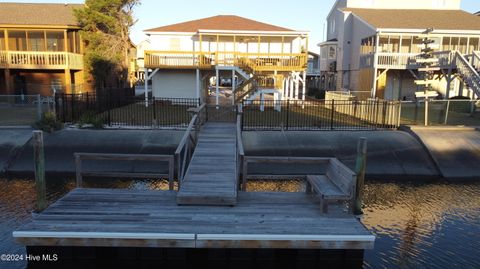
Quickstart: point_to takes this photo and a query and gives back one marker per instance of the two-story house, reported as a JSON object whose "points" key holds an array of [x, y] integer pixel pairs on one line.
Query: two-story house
{"points": [[200, 58], [372, 45], [40, 49]]}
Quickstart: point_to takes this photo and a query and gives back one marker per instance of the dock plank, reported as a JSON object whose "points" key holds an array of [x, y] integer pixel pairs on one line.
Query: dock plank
{"points": [[139, 218], [211, 178]]}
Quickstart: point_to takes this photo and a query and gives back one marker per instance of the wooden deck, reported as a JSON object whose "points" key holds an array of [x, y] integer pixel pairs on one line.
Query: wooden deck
{"points": [[211, 175], [139, 218]]}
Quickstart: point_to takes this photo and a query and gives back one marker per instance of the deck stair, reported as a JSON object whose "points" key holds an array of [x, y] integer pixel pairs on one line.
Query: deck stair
{"points": [[467, 72], [211, 176]]}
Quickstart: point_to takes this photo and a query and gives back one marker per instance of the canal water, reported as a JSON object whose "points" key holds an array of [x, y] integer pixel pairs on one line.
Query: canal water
{"points": [[428, 225]]}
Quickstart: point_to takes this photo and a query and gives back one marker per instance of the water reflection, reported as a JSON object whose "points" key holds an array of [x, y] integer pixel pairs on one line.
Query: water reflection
{"points": [[417, 225]]}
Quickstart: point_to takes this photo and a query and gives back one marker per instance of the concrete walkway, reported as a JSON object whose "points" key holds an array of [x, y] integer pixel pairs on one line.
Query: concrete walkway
{"points": [[456, 150]]}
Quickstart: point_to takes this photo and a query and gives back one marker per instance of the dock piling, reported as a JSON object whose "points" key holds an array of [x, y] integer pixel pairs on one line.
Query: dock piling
{"points": [[360, 171], [39, 166]]}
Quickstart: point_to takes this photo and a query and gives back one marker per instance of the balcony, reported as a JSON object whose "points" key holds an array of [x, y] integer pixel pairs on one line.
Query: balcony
{"points": [[401, 61], [207, 60], [41, 60]]}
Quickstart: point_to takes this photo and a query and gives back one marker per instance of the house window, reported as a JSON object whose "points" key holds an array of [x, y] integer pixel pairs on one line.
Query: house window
{"points": [[55, 41], [17, 40], [36, 41], [323, 53], [2, 40], [175, 44], [406, 43], [332, 53], [473, 44], [332, 26]]}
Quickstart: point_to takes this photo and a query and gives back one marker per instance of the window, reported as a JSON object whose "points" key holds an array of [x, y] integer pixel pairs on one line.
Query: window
{"points": [[473, 44], [2, 40], [55, 41], [17, 40], [175, 44], [445, 43], [332, 26], [332, 52], [324, 52], [36, 41], [406, 44]]}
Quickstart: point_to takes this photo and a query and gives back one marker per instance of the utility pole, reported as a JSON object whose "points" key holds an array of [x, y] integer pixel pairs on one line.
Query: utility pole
{"points": [[427, 65]]}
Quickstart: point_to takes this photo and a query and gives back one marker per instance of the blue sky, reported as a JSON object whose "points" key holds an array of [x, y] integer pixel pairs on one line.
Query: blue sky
{"points": [[306, 15]]}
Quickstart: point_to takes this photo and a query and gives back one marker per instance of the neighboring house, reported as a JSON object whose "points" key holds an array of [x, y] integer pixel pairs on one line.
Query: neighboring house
{"points": [[40, 49], [255, 58], [372, 45], [141, 48], [313, 70]]}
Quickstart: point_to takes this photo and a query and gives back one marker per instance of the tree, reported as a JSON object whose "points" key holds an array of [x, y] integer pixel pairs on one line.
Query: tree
{"points": [[106, 29]]}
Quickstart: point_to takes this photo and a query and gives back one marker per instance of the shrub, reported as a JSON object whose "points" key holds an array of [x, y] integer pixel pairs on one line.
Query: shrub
{"points": [[48, 123], [90, 118]]}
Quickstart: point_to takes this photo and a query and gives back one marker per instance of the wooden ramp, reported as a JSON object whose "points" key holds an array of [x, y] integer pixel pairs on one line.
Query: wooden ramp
{"points": [[211, 175]]}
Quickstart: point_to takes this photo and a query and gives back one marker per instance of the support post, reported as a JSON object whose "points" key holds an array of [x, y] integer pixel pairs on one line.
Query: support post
{"points": [[426, 111], [297, 85], [146, 87], [197, 83], [360, 168], [39, 166], [217, 90], [233, 87], [304, 89], [39, 107]]}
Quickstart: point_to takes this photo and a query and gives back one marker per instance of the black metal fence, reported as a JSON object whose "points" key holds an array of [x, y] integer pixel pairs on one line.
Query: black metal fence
{"points": [[320, 115], [116, 109]]}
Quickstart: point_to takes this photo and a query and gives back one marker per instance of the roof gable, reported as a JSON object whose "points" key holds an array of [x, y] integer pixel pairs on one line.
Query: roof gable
{"points": [[38, 14], [418, 19], [221, 23]]}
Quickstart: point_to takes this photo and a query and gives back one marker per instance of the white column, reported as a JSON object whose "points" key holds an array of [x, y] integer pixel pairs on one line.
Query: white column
{"points": [[290, 96], [297, 85], [146, 87], [233, 87], [197, 83], [283, 88], [217, 90], [304, 88]]}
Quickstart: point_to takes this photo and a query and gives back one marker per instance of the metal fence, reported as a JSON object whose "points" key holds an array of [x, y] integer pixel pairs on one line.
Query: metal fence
{"points": [[320, 115], [441, 112], [117, 110], [16, 110]]}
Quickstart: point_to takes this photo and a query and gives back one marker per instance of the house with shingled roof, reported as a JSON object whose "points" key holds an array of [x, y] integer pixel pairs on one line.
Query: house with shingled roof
{"points": [[371, 48], [226, 59], [40, 49]]}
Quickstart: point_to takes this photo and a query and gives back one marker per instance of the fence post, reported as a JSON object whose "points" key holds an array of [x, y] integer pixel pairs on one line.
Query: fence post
{"points": [[109, 108], [39, 166], [332, 114], [446, 112], [360, 167], [72, 105], [426, 111], [39, 107]]}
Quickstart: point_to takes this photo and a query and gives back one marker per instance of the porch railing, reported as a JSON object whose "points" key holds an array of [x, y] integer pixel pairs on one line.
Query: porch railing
{"points": [[40, 60], [387, 60], [206, 60]]}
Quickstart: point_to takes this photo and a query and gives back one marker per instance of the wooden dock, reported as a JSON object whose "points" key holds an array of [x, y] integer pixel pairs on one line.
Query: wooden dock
{"points": [[139, 218], [211, 175]]}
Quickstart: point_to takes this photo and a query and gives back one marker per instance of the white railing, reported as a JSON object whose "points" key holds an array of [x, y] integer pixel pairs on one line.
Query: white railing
{"points": [[397, 60], [41, 60]]}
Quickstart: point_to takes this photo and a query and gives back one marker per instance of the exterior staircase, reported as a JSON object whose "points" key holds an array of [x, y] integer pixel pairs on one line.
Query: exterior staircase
{"points": [[467, 71]]}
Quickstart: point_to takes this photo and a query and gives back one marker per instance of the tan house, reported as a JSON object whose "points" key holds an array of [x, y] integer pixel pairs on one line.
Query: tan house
{"points": [[372, 47], [40, 49], [201, 58]]}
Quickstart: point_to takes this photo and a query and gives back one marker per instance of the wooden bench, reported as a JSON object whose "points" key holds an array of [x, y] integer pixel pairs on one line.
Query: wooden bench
{"points": [[338, 184]]}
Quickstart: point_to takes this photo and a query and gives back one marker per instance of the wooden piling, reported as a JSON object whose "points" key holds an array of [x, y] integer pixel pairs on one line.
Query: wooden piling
{"points": [[360, 168], [39, 165]]}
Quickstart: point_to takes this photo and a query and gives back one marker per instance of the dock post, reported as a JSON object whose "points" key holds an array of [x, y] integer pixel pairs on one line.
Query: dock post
{"points": [[360, 168], [39, 166]]}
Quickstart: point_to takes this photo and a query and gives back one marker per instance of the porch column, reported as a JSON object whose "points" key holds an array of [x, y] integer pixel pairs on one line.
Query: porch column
{"points": [[284, 81], [217, 90], [233, 87], [297, 86], [304, 88], [68, 81], [290, 96], [146, 87], [197, 84], [8, 86]]}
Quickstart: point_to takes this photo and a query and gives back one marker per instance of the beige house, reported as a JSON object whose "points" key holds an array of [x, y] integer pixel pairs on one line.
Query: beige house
{"points": [[226, 59], [40, 49], [371, 47]]}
